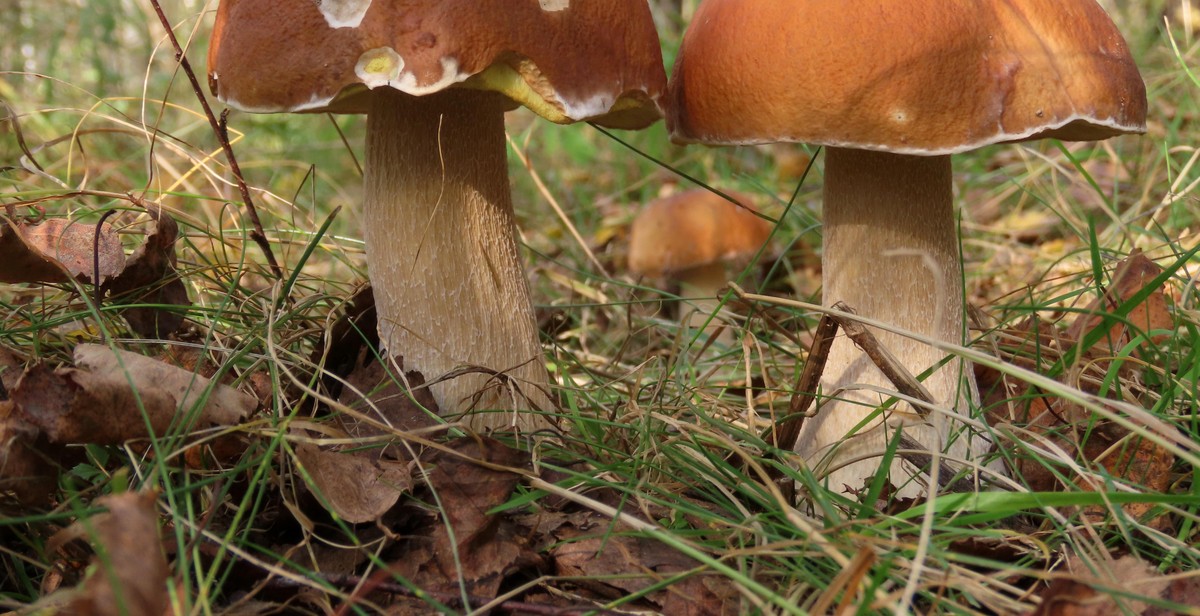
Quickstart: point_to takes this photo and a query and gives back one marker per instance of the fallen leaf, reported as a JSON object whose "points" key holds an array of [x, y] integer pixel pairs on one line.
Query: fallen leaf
{"points": [[1090, 440], [626, 565], [11, 367], [1032, 343], [354, 376], [222, 405], [1008, 547], [57, 249], [27, 468], [1135, 460], [149, 278], [374, 392], [1132, 275], [216, 452], [74, 406], [341, 351], [130, 578], [467, 486], [469, 550], [1184, 591], [115, 396], [20, 263], [1114, 589], [354, 486]]}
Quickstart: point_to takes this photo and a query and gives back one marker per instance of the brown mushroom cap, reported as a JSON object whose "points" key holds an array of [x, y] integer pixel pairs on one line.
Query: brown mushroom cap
{"points": [[692, 229], [924, 77], [567, 60]]}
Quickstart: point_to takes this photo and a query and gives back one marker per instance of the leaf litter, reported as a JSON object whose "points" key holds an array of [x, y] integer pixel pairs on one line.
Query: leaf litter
{"points": [[1115, 587], [1100, 368], [128, 574], [353, 485], [416, 512], [56, 250], [111, 396], [149, 280]]}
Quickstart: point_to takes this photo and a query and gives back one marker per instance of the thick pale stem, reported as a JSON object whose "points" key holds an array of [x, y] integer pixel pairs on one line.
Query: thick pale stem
{"points": [[699, 287], [449, 285], [891, 253]]}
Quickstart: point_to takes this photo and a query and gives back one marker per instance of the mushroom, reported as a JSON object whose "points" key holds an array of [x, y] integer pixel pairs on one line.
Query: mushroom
{"points": [[690, 237], [435, 78], [892, 88]]}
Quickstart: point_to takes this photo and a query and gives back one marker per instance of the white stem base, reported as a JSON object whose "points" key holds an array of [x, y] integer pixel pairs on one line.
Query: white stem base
{"points": [[450, 288], [891, 253], [699, 287]]}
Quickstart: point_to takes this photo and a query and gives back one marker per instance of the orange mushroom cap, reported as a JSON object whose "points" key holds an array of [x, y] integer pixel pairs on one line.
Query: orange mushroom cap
{"points": [[567, 60], [692, 229], [926, 77]]}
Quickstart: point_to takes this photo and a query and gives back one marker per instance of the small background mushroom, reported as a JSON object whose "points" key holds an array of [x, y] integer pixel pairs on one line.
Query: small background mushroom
{"points": [[693, 237]]}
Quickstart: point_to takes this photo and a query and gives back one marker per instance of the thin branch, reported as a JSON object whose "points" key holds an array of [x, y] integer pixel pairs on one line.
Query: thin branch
{"points": [[784, 434], [218, 126], [883, 359], [910, 450]]}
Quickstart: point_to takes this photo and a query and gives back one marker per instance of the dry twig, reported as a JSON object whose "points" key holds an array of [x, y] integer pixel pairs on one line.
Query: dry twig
{"points": [[219, 129]]}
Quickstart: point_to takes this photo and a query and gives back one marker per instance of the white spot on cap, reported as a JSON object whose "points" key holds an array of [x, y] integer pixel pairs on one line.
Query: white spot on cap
{"points": [[450, 76], [343, 13], [598, 105], [379, 67], [899, 116], [555, 5]]}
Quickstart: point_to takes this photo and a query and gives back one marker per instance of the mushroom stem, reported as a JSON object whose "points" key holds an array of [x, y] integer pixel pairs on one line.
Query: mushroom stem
{"points": [[699, 286], [450, 288], [890, 252]]}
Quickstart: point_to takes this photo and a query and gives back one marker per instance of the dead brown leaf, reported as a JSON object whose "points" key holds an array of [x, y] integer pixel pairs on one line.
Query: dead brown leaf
{"points": [[28, 464], [1184, 591], [20, 263], [115, 396], [614, 566], [1035, 344], [27, 468], [216, 452], [1132, 458], [222, 405], [470, 550], [467, 486], [1116, 588], [149, 278], [1132, 275], [130, 574], [373, 390], [1032, 343], [57, 249], [355, 377], [11, 367], [357, 487]]}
